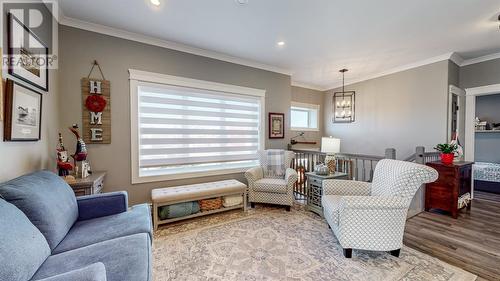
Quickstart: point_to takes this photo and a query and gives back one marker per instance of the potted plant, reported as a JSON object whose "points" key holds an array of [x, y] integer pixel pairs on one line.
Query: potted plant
{"points": [[447, 152]]}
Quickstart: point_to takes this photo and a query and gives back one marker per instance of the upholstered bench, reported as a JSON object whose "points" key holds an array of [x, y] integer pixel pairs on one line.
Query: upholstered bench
{"points": [[186, 193]]}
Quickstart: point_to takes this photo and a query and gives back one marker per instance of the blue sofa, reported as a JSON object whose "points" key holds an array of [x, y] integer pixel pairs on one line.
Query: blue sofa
{"points": [[48, 234]]}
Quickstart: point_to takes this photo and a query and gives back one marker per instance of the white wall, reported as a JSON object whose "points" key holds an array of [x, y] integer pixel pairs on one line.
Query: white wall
{"points": [[18, 158]]}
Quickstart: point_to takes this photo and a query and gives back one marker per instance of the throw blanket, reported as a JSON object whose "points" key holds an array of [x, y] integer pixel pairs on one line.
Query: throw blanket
{"points": [[275, 163]]}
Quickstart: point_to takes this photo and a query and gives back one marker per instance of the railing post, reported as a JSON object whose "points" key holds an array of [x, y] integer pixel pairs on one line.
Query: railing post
{"points": [[420, 155], [390, 153]]}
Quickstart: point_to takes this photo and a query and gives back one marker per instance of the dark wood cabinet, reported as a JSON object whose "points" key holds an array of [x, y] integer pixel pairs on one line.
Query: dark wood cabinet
{"points": [[92, 184], [454, 181]]}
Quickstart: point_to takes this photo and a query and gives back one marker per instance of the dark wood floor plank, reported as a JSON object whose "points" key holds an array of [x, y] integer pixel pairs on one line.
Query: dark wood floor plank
{"points": [[471, 242]]}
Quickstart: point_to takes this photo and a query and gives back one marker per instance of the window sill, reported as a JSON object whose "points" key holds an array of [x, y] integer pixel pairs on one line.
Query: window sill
{"points": [[178, 176], [304, 129]]}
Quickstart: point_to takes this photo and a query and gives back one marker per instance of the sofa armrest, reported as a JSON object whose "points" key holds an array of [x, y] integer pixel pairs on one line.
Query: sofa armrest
{"points": [[254, 174], [373, 203], [93, 272], [100, 205], [291, 177], [346, 188]]}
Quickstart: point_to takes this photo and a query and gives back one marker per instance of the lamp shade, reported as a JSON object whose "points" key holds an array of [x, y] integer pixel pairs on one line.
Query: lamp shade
{"points": [[330, 145]]}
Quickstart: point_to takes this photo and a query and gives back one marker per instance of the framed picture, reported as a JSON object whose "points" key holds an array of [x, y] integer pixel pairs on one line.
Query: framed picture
{"points": [[276, 125], [23, 113], [1, 92], [27, 54], [343, 105]]}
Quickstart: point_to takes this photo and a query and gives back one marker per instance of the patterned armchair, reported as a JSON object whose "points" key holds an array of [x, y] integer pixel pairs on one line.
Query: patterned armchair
{"points": [[265, 187], [372, 216]]}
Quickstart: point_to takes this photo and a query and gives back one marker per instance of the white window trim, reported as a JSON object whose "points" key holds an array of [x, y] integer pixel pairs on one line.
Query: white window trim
{"points": [[138, 76], [305, 105]]}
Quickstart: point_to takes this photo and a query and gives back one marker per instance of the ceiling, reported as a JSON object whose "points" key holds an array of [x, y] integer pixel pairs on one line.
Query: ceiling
{"points": [[321, 36]]}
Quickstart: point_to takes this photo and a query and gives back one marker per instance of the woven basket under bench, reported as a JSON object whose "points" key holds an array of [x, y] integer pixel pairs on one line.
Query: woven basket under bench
{"points": [[209, 193]]}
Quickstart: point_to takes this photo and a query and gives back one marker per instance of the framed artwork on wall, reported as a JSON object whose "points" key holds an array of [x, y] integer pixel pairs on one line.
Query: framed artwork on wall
{"points": [[1, 92], [27, 54], [23, 113], [276, 125]]}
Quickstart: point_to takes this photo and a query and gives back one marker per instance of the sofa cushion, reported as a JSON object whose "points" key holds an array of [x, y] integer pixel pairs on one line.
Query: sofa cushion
{"points": [[331, 207], [93, 272], [47, 200], [22, 247], [87, 232], [125, 259], [270, 185]]}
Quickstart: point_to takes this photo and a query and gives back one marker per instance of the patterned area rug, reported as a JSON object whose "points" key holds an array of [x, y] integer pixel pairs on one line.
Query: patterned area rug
{"points": [[272, 244]]}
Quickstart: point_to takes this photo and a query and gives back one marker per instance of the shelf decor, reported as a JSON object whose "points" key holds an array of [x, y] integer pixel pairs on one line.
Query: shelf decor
{"points": [[343, 104], [96, 113]]}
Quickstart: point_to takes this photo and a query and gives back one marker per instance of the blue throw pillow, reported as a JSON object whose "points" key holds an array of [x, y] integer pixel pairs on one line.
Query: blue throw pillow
{"points": [[47, 200], [23, 248]]}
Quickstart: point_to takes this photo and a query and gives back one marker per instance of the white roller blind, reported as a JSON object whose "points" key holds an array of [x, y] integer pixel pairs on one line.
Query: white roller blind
{"points": [[190, 130]]}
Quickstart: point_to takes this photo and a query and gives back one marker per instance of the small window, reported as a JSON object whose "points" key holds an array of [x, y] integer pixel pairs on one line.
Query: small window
{"points": [[304, 116]]}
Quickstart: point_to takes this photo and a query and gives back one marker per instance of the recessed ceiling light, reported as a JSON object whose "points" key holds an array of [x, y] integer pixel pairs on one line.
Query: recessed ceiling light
{"points": [[241, 2], [281, 43], [155, 2]]}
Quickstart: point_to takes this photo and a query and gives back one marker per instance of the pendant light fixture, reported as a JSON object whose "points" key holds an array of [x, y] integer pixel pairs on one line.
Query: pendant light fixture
{"points": [[343, 103]]}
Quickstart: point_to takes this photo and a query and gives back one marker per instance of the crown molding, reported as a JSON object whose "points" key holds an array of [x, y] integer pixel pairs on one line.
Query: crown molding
{"points": [[120, 33], [307, 86], [481, 59], [448, 56]]}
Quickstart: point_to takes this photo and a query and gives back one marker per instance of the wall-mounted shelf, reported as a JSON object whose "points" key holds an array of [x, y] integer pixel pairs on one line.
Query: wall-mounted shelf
{"points": [[488, 131]]}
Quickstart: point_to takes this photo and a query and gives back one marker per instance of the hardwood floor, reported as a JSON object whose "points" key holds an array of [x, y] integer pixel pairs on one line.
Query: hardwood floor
{"points": [[471, 242]]}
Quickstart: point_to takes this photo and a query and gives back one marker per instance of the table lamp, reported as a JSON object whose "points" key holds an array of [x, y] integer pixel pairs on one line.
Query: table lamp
{"points": [[330, 146]]}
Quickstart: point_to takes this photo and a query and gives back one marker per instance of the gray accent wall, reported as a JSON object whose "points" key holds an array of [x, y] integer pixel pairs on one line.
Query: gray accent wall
{"points": [[401, 110], [487, 145], [304, 95], [78, 48], [480, 74]]}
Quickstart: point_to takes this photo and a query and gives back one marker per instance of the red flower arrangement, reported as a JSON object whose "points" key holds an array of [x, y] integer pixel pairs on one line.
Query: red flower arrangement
{"points": [[95, 103]]}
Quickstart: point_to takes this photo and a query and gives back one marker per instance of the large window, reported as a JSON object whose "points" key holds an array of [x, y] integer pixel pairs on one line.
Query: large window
{"points": [[190, 128], [304, 117]]}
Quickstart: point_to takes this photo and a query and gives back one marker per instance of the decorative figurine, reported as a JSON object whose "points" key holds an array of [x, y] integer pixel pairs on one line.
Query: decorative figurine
{"points": [[63, 164], [80, 153], [81, 148]]}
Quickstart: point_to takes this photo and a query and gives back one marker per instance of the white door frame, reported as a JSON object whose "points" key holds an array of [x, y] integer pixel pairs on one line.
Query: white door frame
{"points": [[454, 90], [470, 115]]}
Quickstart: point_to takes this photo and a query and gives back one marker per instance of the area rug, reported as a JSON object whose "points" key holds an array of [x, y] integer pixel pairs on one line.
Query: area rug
{"points": [[272, 244]]}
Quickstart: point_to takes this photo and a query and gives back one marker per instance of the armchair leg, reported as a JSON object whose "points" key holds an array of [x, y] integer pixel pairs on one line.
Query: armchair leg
{"points": [[252, 205], [348, 253], [395, 253], [288, 208]]}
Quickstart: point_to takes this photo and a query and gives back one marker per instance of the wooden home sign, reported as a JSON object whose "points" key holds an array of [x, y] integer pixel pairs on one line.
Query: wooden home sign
{"points": [[96, 118]]}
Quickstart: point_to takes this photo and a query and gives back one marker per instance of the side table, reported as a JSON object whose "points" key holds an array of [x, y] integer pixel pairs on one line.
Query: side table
{"points": [[453, 182], [315, 189], [92, 184]]}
